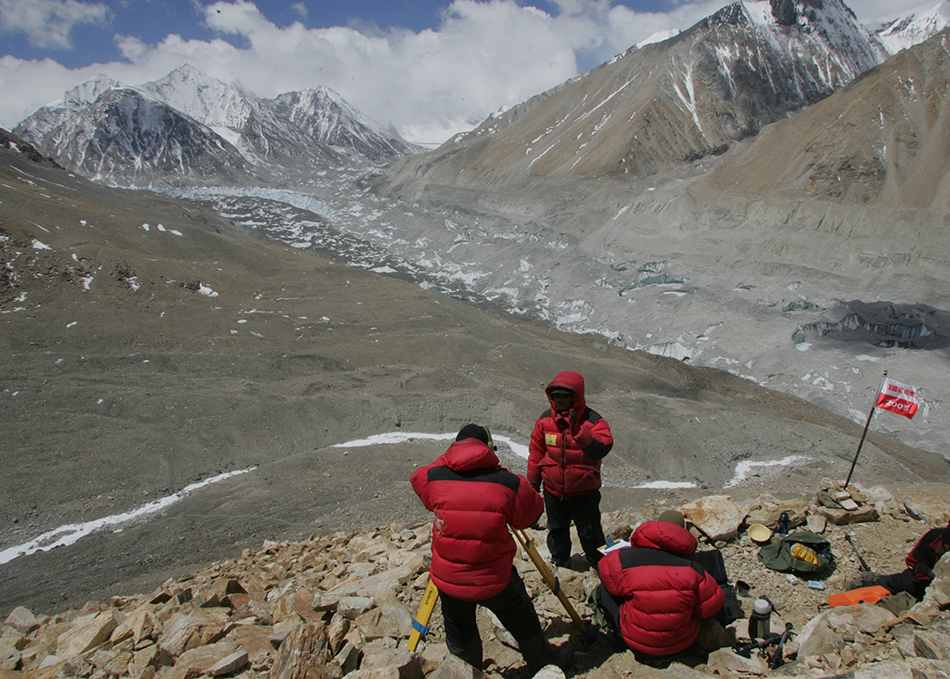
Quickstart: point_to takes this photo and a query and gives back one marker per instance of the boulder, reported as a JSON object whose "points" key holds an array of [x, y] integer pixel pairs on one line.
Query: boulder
{"points": [[390, 618], [934, 510], [229, 664], [826, 633], [22, 619], [767, 509], [186, 630], [10, 647], [352, 607], [201, 660], [384, 653], [303, 655], [86, 633], [348, 659], [455, 668], [728, 663], [372, 586], [138, 627], [717, 516]]}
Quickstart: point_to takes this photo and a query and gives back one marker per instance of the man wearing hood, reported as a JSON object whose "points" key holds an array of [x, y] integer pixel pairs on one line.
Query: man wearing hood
{"points": [[652, 593], [568, 442], [474, 500]]}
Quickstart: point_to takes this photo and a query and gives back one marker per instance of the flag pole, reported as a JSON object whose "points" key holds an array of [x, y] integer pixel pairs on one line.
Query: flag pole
{"points": [[865, 433]]}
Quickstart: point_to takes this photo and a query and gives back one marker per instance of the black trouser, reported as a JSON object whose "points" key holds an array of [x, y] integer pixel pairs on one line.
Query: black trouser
{"points": [[610, 607], [515, 611], [584, 511], [905, 581]]}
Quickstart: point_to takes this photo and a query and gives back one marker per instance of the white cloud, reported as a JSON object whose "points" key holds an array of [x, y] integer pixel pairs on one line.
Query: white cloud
{"points": [[48, 23], [484, 55]]}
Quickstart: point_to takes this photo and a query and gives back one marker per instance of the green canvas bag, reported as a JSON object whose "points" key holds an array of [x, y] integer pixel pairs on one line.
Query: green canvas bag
{"points": [[801, 552]]}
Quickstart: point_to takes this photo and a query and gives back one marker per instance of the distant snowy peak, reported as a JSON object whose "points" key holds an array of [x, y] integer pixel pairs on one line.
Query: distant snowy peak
{"points": [[189, 128], [206, 99], [828, 24], [914, 26], [325, 116], [90, 90]]}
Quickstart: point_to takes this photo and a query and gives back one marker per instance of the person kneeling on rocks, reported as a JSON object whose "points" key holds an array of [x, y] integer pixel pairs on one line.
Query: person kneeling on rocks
{"points": [[652, 594], [474, 500], [920, 563]]}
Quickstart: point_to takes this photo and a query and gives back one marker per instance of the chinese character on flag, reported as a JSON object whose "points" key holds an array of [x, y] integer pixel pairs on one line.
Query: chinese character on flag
{"points": [[898, 398]]}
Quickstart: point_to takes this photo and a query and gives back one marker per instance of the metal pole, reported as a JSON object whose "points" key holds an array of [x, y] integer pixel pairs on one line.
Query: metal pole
{"points": [[865, 432]]}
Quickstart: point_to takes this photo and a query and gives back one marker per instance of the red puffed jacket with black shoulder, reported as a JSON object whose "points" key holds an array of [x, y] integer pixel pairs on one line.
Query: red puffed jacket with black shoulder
{"points": [[474, 500], [566, 449], [664, 593]]}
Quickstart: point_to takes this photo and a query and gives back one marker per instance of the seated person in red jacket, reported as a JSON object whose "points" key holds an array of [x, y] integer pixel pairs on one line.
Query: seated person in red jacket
{"points": [[653, 594], [920, 564], [475, 499]]}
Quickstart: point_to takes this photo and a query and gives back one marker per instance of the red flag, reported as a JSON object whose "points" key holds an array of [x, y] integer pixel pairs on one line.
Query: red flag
{"points": [[898, 398]]}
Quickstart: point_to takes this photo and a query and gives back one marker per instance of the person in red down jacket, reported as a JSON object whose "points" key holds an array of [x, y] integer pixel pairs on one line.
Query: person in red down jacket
{"points": [[653, 594], [568, 442], [920, 564], [474, 500]]}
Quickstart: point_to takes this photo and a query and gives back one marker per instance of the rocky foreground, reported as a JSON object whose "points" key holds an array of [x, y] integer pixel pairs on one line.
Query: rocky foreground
{"points": [[342, 605]]}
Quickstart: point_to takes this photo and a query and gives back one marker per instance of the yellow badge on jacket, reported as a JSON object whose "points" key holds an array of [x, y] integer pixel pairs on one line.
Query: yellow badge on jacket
{"points": [[550, 439]]}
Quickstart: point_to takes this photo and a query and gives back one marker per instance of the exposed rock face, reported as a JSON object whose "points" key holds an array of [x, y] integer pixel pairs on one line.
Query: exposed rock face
{"points": [[125, 139], [672, 102], [882, 142]]}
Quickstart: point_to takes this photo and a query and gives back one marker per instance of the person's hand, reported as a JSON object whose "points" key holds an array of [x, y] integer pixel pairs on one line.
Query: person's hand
{"points": [[583, 435], [575, 426], [923, 570]]}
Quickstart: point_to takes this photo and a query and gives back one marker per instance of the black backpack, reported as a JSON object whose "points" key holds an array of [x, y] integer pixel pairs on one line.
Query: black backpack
{"points": [[713, 563]]}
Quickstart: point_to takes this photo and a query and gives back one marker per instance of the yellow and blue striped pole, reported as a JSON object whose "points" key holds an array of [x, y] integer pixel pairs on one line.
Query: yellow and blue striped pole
{"points": [[420, 624]]}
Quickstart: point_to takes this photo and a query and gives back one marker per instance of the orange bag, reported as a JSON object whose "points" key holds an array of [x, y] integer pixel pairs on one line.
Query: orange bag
{"points": [[862, 595]]}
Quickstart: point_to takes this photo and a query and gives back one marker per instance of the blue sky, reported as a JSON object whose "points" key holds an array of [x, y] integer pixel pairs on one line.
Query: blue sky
{"points": [[428, 67]]}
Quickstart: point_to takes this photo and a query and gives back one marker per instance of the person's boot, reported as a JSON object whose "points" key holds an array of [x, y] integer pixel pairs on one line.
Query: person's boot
{"points": [[713, 636]]}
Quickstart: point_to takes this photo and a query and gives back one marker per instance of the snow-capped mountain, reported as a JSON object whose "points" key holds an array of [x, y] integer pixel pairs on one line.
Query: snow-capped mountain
{"points": [[156, 135], [914, 26], [688, 97], [122, 138]]}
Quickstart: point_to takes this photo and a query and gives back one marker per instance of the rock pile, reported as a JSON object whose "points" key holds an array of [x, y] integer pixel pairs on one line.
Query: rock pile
{"points": [[342, 605]]}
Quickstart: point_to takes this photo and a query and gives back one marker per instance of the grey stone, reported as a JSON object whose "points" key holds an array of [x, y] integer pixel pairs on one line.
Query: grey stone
{"points": [[717, 516]]}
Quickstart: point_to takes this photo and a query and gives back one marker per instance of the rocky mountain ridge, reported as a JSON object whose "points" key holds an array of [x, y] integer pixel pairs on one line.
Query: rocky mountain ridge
{"points": [[342, 604], [668, 103], [187, 129]]}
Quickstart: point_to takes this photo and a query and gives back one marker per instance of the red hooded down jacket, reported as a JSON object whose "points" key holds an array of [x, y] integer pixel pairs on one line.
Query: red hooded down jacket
{"points": [[566, 448], [664, 593], [925, 555], [474, 501]]}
